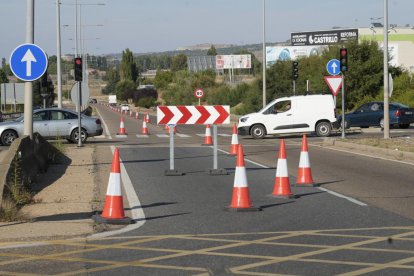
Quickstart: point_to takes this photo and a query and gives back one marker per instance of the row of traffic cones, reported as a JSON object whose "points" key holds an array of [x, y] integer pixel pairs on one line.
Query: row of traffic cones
{"points": [[113, 211], [241, 197], [122, 130]]}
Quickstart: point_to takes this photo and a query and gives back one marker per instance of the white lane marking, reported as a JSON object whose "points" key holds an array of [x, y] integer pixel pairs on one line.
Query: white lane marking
{"points": [[353, 200], [105, 125], [137, 213], [201, 135], [345, 197], [163, 135], [182, 135], [224, 135], [142, 136]]}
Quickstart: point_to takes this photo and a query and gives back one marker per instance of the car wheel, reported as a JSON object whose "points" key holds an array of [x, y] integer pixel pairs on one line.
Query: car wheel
{"points": [[323, 129], [8, 137], [382, 123], [74, 136], [258, 131], [404, 125]]}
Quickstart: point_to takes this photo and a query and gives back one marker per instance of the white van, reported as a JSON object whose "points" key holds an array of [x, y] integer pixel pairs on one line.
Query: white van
{"points": [[295, 114]]}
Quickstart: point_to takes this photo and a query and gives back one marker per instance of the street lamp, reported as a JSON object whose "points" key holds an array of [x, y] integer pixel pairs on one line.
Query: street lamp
{"points": [[264, 53], [386, 80]]}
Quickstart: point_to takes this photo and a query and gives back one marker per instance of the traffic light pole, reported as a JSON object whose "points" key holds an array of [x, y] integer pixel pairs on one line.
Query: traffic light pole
{"points": [[294, 87], [80, 114], [343, 106]]}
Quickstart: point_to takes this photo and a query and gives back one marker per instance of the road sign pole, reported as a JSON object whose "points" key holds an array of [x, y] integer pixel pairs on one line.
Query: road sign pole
{"points": [[28, 86], [199, 101], [171, 129], [343, 106], [215, 146]]}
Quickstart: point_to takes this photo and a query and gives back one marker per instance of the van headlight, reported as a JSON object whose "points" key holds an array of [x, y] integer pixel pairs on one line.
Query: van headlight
{"points": [[244, 119]]}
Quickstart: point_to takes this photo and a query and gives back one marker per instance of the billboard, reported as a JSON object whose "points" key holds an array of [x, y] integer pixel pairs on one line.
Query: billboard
{"points": [[275, 53], [323, 37], [233, 61], [12, 93]]}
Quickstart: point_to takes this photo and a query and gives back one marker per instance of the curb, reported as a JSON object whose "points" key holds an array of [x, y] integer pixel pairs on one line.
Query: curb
{"points": [[392, 153]]}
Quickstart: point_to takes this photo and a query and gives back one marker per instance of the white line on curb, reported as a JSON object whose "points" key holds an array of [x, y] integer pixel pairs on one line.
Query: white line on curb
{"points": [[105, 126]]}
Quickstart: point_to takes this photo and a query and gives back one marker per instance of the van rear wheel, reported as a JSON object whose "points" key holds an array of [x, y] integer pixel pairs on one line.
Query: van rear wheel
{"points": [[258, 131], [323, 129]]}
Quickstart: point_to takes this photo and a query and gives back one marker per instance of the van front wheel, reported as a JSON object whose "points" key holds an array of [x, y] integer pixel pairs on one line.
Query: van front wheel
{"points": [[258, 131], [323, 129]]}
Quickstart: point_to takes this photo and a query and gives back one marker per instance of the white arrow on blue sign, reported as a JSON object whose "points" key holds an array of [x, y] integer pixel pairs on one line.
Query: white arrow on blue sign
{"points": [[28, 62], [333, 67]]}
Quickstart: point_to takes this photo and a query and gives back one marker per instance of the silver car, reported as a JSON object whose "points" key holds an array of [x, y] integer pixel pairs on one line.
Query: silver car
{"points": [[53, 123]]}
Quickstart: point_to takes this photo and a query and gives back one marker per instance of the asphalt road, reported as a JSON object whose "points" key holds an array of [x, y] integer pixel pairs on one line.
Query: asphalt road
{"points": [[366, 228]]}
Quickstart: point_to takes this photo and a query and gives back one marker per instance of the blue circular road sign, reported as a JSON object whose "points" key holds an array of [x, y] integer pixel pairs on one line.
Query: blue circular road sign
{"points": [[28, 62], [333, 67]]}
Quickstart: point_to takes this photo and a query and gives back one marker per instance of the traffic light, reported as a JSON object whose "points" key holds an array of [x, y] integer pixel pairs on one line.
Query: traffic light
{"points": [[295, 70], [343, 59], [78, 69]]}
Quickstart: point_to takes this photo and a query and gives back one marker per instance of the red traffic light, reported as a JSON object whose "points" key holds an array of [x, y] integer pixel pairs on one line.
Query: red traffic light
{"points": [[78, 61], [343, 52]]}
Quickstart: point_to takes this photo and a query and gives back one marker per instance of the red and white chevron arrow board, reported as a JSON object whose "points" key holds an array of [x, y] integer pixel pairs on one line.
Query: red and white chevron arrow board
{"points": [[193, 115]]}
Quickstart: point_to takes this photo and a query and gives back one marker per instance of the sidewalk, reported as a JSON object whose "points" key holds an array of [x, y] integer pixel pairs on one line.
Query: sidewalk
{"points": [[63, 204]]}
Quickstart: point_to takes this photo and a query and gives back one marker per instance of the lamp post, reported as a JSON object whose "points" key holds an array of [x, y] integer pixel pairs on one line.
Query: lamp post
{"points": [[264, 53], [58, 54], [386, 80]]}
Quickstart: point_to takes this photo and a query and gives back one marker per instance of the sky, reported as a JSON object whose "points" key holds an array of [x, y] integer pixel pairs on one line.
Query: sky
{"points": [[146, 26]]}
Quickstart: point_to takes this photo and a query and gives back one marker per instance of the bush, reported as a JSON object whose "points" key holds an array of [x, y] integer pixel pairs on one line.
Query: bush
{"points": [[146, 102]]}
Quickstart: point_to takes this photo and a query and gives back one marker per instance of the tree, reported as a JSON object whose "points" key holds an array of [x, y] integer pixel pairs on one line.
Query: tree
{"points": [[179, 62], [124, 88], [129, 70], [113, 79], [212, 51], [3, 76]]}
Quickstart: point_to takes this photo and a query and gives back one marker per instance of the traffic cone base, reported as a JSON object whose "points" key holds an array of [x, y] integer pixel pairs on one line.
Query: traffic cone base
{"points": [[113, 210], [241, 197], [234, 141], [208, 140], [144, 128], [304, 172], [282, 184], [121, 133]]}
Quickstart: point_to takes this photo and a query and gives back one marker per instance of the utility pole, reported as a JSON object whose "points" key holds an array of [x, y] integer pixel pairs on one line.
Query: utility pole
{"points": [[28, 86], [386, 80], [59, 61], [264, 53]]}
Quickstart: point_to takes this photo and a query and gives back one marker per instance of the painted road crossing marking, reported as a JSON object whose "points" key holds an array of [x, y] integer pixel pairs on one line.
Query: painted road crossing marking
{"points": [[334, 250]]}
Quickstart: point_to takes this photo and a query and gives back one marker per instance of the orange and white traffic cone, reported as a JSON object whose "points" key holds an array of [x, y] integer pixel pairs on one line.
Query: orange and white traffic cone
{"points": [[234, 141], [241, 196], [147, 118], [113, 210], [144, 128], [282, 184], [121, 132], [304, 172], [167, 129], [130, 113], [136, 115], [208, 140]]}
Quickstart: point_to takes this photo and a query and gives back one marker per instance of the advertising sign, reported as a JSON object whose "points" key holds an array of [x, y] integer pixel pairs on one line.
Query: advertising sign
{"points": [[275, 53], [233, 61], [323, 37]]}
